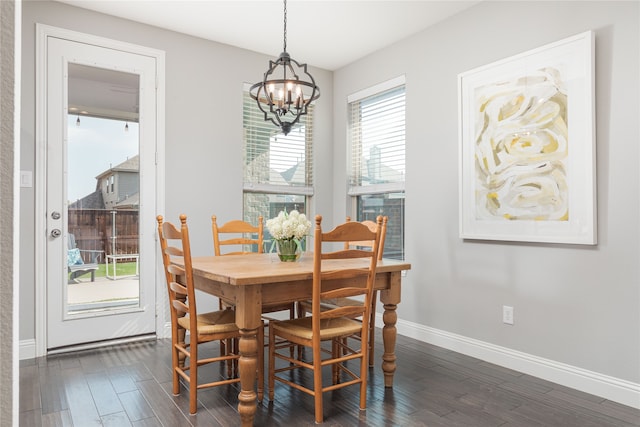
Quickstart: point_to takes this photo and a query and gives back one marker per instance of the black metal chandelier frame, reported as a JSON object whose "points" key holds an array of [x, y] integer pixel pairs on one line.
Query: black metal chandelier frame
{"points": [[282, 95]]}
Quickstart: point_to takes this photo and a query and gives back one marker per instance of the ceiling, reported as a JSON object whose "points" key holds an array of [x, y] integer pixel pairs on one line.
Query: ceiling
{"points": [[321, 33]]}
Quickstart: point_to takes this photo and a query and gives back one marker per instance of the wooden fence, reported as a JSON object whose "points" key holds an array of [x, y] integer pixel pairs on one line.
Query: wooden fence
{"points": [[111, 231]]}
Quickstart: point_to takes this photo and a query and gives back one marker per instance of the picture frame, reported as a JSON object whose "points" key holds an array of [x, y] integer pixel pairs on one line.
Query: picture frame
{"points": [[527, 146]]}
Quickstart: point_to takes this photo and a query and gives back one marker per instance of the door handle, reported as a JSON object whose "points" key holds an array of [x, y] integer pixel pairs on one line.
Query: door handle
{"points": [[56, 233]]}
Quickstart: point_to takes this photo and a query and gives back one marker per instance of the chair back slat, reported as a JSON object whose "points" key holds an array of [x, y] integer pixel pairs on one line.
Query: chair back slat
{"points": [[178, 288], [346, 311], [173, 251], [368, 243], [344, 292], [242, 233], [180, 307], [347, 253], [176, 270]]}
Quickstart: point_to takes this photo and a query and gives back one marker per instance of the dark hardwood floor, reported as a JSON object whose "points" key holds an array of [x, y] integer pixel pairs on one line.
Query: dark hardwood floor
{"points": [[130, 385]]}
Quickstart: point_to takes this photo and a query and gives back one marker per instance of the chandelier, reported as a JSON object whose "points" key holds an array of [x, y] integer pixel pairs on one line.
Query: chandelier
{"points": [[287, 89]]}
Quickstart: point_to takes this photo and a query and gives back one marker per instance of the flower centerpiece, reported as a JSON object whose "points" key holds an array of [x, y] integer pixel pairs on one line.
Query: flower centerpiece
{"points": [[288, 231]]}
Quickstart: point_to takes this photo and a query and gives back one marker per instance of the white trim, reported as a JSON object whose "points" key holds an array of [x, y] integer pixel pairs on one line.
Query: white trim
{"points": [[102, 344], [250, 187], [605, 386], [375, 89], [391, 187], [15, 270], [40, 298], [27, 349], [42, 33], [161, 293], [166, 330]]}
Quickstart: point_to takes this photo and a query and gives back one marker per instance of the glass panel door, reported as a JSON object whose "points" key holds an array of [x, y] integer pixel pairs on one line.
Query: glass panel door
{"points": [[101, 139]]}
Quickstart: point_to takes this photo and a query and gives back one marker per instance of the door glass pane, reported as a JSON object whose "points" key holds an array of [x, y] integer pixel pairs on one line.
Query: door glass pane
{"points": [[103, 186]]}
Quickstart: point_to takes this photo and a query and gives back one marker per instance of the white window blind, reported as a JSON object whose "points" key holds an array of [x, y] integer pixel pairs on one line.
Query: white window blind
{"points": [[377, 136], [278, 172], [274, 162], [377, 164]]}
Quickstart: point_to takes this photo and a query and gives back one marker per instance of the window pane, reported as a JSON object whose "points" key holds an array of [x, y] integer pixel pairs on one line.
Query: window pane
{"points": [[391, 205], [270, 157], [377, 131], [269, 205]]}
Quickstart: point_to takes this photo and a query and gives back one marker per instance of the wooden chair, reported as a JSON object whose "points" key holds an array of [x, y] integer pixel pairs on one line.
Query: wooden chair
{"points": [[202, 328], [240, 229], [334, 324], [304, 307], [241, 235]]}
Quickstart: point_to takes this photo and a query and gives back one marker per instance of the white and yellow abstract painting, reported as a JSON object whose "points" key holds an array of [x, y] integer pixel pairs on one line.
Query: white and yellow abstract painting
{"points": [[521, 148], [527, 146]]}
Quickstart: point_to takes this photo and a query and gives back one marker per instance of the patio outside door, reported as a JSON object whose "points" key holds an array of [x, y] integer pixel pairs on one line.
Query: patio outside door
{"points": [[101, 194]]}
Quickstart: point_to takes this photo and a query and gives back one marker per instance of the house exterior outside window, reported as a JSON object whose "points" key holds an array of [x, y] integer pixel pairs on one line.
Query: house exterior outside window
{"points": [[278, 173], [377, 164]]}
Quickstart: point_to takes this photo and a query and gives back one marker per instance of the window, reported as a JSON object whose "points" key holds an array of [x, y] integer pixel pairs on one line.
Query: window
{"points": [[278, 172], [377, 142]]}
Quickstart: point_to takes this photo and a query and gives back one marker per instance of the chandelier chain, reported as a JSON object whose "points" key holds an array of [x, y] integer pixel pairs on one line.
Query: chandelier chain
{"points": [[285, 26]]}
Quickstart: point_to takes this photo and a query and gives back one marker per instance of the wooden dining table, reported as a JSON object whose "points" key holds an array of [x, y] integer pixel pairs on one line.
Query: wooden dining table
{"points": [[249, 281]]}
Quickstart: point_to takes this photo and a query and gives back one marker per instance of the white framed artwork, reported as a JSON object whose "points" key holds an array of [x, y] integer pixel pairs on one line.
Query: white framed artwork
{"points": [[527, 146]]}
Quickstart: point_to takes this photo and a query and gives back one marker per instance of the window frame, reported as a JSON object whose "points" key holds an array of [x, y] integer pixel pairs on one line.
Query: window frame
{"points": [[307, 190], [354, 192]]}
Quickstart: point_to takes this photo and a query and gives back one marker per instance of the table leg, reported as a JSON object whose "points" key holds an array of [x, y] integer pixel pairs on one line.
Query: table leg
{"points": [[248, 312], [247, 367], [389, 333], [390, 298]]}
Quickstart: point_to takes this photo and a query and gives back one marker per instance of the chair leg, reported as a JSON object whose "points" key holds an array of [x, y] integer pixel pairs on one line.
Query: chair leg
{"points": [[223, 343], [175, 361], [372, 328], [363, 379], [228, 346], [261, 363], [301, 313], [292, 315], [193, 377], [271, 362], [317, 384], [335, 350]]}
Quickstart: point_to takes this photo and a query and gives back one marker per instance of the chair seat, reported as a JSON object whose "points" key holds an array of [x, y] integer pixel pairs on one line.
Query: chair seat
{"points": [[329, 328], [215, 322]]}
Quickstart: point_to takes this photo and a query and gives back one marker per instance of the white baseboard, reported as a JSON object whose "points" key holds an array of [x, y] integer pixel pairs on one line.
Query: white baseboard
{"points": [[27, 349], [166, 332], [607, 387]]}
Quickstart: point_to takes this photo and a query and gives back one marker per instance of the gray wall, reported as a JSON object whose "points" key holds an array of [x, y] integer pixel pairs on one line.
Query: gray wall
{"points": [[9, 99], [578, 305], [203, 126]]}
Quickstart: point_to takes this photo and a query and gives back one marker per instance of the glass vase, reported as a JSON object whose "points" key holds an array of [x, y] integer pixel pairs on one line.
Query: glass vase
{"points": [[288, 250]]}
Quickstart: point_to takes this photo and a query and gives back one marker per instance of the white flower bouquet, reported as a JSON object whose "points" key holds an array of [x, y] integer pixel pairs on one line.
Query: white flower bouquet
{"points": [[288, 230]]}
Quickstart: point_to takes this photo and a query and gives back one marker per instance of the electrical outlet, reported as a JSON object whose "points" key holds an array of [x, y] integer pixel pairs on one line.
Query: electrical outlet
{"points": [[507, 314]]}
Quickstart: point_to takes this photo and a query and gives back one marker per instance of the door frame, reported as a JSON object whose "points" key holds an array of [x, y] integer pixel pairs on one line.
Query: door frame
{"points": [[42, 33]]}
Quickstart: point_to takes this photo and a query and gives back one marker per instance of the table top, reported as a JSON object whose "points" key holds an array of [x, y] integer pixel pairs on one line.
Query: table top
{"points": [[252, 269]]}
